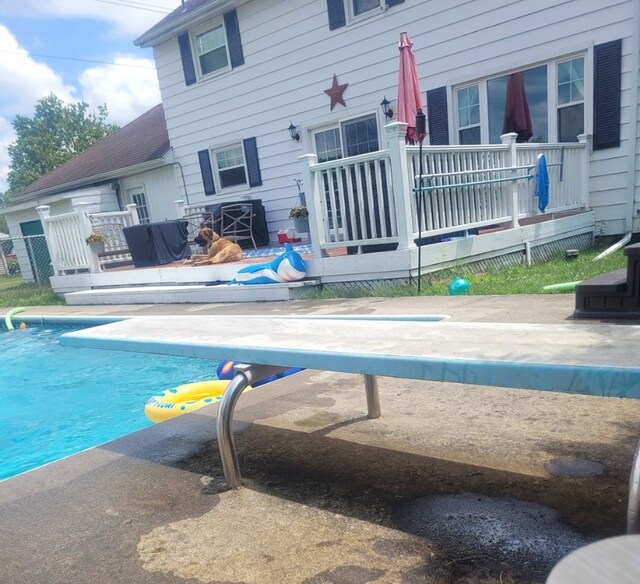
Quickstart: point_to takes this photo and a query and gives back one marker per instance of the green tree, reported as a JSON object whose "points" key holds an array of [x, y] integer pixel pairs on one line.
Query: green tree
{"points": [[55, 134]]}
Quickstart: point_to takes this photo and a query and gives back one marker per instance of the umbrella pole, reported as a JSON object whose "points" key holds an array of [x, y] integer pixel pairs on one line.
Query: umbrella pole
{"points": [[419, 207], [421, 131]]}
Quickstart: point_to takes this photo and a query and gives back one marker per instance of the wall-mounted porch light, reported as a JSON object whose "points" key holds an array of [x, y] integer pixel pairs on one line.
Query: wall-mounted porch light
{"points": [[388, 112], [294, 132]]}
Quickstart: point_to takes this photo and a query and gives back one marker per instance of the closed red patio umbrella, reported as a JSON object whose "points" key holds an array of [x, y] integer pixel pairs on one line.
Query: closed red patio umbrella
{"points": [[409, 95], [516, 112]]}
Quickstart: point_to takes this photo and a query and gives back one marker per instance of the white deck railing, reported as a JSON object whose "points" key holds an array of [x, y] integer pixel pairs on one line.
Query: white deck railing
{"points": [[66, 234], [373, 198]]}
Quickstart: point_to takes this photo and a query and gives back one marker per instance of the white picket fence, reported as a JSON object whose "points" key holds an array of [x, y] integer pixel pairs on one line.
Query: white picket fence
{"points": [[373, 198]]}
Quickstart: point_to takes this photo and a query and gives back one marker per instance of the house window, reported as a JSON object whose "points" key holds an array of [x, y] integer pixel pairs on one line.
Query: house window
{"points": [[230, 166], [535, 86], [211, 49], [138, 197], [351, 137], [570, 75], [555, 94], [469, 115], [360, 7]]}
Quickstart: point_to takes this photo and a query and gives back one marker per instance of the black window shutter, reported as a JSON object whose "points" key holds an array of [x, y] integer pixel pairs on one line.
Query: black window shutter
{"points": [[207, 173], [337, 18], [188, 67], [253, 164], [233, 38], [438, 117], [394, 2], [607, 74]]}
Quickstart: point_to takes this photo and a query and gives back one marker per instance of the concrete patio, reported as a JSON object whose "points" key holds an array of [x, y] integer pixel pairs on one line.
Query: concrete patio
{"points": [[452, 484]]}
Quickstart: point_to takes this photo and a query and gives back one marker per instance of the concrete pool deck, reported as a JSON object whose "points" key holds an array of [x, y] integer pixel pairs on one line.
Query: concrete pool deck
{"points": [[433, 491]]}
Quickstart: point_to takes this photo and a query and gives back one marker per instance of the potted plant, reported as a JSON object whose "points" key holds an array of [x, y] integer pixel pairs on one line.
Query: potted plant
{"points": [[300, 216], [96, 242]]}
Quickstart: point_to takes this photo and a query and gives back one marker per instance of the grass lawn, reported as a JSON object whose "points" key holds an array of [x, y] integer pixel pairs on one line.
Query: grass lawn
{"points": [[14, 292], [514, 280]]}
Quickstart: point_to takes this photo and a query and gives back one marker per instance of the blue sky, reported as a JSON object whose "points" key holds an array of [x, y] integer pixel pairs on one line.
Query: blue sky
{"points": [[51, 45]]}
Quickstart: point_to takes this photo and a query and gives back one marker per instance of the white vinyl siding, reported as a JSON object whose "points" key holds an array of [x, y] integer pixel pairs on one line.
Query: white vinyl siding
{"points": [[291, 57]]}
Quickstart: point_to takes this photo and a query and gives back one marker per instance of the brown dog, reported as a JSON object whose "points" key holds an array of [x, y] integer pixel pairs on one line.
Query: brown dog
{"points": [[221, 250]]}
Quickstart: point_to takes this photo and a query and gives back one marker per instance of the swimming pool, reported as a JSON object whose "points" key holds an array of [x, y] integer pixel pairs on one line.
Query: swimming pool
{"points": [[56, 401]]}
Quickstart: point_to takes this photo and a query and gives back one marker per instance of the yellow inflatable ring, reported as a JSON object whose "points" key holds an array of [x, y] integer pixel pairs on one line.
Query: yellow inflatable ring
{"points": [[184, 398]]}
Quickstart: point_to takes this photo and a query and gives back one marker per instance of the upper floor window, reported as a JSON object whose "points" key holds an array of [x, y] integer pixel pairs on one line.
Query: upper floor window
{"points": [[211, 49], [230, 166], [360, 7], [342, 12]]}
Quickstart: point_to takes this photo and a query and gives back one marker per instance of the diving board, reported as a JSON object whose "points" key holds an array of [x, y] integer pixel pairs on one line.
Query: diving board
{"points": [[592, 359]]}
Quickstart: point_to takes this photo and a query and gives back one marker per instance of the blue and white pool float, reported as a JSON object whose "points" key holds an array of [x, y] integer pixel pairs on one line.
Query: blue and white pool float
{"points": [[287, 267]]}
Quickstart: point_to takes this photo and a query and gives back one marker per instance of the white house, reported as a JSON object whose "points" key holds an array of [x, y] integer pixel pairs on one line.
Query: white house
{"points": [[235, 75], [262, 97]]}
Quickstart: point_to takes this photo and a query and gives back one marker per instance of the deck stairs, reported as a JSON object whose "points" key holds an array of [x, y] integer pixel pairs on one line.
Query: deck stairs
{"points": [[614, 294]]}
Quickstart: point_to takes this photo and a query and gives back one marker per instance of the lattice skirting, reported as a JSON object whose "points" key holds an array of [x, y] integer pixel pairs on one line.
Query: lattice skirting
{"points": [[539, 253]]}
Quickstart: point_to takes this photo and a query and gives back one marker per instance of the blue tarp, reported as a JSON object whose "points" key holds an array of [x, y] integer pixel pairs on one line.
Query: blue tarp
{"points": [[542, 182]]}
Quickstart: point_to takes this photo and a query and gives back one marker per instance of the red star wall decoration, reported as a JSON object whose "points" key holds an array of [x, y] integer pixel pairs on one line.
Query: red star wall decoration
{"points": [[335, 92]]}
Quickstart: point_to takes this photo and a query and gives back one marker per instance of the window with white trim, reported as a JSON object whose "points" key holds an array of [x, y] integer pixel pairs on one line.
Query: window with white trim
{"points": [[570, 82], [210, 48], [555, 94], [136, 195], [230, 165], [347, 138], [468, 115], [361, 7]]}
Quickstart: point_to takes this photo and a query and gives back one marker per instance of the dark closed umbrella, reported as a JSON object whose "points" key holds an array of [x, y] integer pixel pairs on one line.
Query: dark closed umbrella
{"points": [[516, 112]]}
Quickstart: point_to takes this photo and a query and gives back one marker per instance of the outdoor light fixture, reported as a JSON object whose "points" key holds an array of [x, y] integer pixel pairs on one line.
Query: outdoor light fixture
{"points": [[294, 133], [385, 103]]}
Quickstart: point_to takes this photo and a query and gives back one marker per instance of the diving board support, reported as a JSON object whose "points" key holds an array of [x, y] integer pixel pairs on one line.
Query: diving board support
{"points": [[373, 399], [243, 375], [633, 506], [246, 375]]}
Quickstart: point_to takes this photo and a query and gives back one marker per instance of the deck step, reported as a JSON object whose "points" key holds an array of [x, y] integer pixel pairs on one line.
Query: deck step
{"points": [[192, 294], [615, 294]]}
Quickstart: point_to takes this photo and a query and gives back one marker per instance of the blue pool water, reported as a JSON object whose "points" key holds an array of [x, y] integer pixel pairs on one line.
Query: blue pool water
{"points": [[56, 401]]}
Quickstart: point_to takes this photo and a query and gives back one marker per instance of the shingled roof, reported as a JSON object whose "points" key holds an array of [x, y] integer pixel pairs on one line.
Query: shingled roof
{"points": [[143, 140], [182, 15]]}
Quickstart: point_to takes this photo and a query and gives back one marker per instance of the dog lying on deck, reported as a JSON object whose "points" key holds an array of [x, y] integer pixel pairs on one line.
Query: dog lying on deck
{"points": [[221, 250]]}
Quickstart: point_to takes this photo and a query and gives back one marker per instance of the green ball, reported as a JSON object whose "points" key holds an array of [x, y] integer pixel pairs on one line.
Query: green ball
{"points": [[459, 286]]}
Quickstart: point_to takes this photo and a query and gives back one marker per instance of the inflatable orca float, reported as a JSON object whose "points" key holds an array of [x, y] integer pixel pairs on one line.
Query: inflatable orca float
{"points": [[287, 267]]}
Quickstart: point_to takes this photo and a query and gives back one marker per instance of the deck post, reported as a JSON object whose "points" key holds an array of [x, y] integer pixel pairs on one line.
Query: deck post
{"points": [[314, 196], [132, 208], [179, 208], [402, 184], [584, 168], [86, 229], [510, 140]]}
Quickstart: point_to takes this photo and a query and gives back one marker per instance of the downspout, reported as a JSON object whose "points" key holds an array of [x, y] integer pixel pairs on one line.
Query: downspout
{"points": [[633, 122], [184, 184]]}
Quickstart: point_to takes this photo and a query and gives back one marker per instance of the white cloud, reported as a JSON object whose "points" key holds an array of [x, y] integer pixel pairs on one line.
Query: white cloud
{"points": [[128, 91], [7, 136], [25, 81], [126, 20]]}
